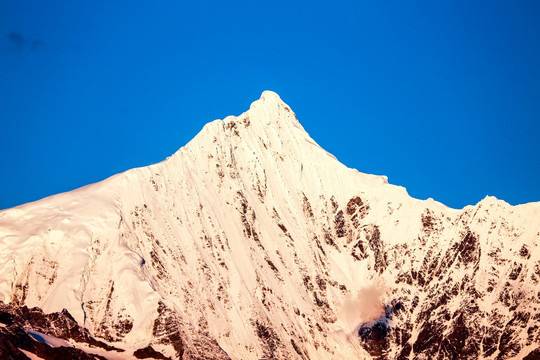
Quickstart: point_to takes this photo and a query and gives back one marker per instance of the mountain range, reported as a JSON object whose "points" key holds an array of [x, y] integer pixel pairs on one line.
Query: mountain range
{"points": [[253, 242]]}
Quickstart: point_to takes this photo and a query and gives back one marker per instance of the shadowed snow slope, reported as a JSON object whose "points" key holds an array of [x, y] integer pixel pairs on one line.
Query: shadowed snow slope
{"points": [[253, 242]]}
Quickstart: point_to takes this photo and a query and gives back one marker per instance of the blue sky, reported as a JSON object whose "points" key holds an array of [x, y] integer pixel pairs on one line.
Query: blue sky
{"points": [[442, 97]]}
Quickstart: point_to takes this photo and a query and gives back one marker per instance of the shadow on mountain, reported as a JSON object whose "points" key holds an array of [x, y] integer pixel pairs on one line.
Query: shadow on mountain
{"points": [[374, 335]]}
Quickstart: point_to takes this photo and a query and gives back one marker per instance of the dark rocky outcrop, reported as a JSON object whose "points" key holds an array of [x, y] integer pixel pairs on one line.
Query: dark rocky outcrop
{"points": [[149, 353], [15, 335], [59, 324]]}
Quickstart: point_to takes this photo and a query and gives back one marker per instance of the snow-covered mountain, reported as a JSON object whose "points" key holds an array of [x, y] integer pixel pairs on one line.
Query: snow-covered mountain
{"points": [[253, 242]]}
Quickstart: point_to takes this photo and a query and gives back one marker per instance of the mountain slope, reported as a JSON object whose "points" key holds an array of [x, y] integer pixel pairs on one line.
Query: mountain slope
{"points": [[253, 242]]}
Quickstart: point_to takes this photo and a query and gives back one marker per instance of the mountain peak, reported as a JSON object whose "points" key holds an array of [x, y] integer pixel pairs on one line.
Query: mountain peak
{"points": [[267, 118], [268, 136], [269, 99], [270, 95], [253, 242], [270, 108]]}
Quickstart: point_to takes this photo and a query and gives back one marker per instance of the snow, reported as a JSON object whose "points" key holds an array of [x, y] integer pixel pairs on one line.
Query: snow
{"points": [[110, 355], [48, 339], [30, 355], [57, 342]]}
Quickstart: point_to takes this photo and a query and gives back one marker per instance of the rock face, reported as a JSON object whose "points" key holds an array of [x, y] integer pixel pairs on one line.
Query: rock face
{"points": [[253, 242], [23, 328]]}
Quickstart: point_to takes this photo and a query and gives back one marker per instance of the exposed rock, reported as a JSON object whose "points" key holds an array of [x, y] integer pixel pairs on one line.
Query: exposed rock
{"points": [[15, 335], [149, 353]]}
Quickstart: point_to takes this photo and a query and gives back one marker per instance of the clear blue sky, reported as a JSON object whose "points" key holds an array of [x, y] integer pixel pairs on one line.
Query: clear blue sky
{"points": [[443, 97]]}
